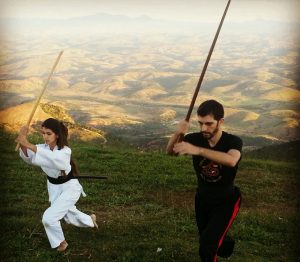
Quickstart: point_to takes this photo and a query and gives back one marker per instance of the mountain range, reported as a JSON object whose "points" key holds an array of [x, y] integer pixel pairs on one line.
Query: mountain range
{"points": [[137, 84]]}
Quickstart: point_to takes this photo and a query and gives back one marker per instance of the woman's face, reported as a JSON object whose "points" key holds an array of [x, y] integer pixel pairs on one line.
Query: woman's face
{"points": [[50, 137]]}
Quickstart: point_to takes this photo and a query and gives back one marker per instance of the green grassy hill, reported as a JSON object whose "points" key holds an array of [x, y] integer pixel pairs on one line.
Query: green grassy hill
{"points": [[288, 152], [145, 204]]}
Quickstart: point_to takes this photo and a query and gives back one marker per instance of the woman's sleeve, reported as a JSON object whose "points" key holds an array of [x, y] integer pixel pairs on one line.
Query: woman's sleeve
{"points": [[57, 159], [28, 158]]}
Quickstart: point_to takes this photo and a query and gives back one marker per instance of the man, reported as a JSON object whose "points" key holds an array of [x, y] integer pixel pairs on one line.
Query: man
{"points": [[216, 155]]}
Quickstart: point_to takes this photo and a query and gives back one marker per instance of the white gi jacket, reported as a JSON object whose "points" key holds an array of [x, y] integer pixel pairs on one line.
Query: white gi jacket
{"points": [[52, 163]]}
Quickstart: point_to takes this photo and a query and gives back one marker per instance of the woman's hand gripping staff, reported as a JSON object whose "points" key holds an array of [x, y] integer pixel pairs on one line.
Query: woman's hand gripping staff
{"points": [[22, 140]]}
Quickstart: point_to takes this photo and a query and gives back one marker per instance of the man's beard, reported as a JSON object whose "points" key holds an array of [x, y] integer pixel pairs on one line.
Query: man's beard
{"points": [[210, 135]]}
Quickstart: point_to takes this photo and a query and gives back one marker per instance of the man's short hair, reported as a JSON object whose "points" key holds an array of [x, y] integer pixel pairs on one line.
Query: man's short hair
{"points": [[211, 107]]}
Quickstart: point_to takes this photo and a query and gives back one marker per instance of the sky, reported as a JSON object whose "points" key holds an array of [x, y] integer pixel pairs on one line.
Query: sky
{"points": [[180, 10]]}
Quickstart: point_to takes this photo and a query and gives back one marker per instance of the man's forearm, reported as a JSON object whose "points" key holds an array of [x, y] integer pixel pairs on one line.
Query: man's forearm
{"points": [[224, 158]]}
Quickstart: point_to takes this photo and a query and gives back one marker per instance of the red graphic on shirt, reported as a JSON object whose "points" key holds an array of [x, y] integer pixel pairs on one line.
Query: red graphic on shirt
{"points": [[210, 171]]}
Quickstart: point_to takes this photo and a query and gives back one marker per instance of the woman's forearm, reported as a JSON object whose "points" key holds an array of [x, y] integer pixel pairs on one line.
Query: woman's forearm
{"points": [[24, 149], [32, 147]]}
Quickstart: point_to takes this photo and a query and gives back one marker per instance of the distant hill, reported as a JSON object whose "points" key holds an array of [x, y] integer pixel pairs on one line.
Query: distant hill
{"points": [[105, 22], [287, 152]]}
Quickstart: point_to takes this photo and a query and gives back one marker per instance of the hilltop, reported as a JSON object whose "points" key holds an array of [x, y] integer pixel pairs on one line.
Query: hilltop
{"points": [[146, 203], [14, 117]]}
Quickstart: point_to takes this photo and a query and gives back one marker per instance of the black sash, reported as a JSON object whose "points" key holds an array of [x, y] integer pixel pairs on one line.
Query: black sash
{"points": [[61, 179]]}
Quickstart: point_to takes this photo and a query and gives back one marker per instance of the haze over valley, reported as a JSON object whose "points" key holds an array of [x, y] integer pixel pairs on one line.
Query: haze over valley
{"points": [[135, 84]]}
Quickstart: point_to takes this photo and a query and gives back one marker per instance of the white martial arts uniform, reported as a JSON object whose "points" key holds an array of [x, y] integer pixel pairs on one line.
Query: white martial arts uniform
{"points": [[62, 197]]}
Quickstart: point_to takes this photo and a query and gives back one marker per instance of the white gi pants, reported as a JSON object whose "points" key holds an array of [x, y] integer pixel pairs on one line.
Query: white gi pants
{"points": [[63, 198]]}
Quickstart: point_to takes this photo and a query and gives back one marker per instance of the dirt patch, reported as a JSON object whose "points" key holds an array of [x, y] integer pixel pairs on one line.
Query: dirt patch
{"points": [[177, 199]]}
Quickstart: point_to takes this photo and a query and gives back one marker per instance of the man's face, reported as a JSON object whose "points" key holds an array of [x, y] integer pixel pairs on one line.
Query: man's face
{"points": [[209, 126]]}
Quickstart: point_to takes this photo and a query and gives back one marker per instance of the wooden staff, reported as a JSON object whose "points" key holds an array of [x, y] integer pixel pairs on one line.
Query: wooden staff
{"points": [[187, 118], [89, 177], [41, 94]]}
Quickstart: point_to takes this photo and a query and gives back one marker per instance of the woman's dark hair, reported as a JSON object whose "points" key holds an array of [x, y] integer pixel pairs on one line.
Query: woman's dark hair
{"points": [[61, 131], [211, 107]]}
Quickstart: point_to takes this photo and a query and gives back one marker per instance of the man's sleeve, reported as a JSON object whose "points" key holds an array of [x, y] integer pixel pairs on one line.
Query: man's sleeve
{"points": [[187, 138], [236, 143]]}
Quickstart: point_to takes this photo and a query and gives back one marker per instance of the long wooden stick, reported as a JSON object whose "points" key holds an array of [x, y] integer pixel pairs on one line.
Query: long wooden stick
{"points": [[187, 118], [188, 115], [41, 94], [89, 177]]}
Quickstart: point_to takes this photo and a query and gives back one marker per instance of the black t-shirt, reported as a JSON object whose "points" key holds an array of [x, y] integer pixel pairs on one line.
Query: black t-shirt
{"points": [[215, 181]]}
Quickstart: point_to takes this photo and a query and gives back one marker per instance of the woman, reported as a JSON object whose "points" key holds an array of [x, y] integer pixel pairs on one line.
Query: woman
{"points": [[54, 157]]}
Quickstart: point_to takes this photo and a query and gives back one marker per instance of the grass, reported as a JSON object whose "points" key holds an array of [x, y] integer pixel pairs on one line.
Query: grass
{"points": [[145, 204]]}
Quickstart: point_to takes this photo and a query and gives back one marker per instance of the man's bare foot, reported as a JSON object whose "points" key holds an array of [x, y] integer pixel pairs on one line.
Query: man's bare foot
{"points": [[93, 217], [62, 246]]}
